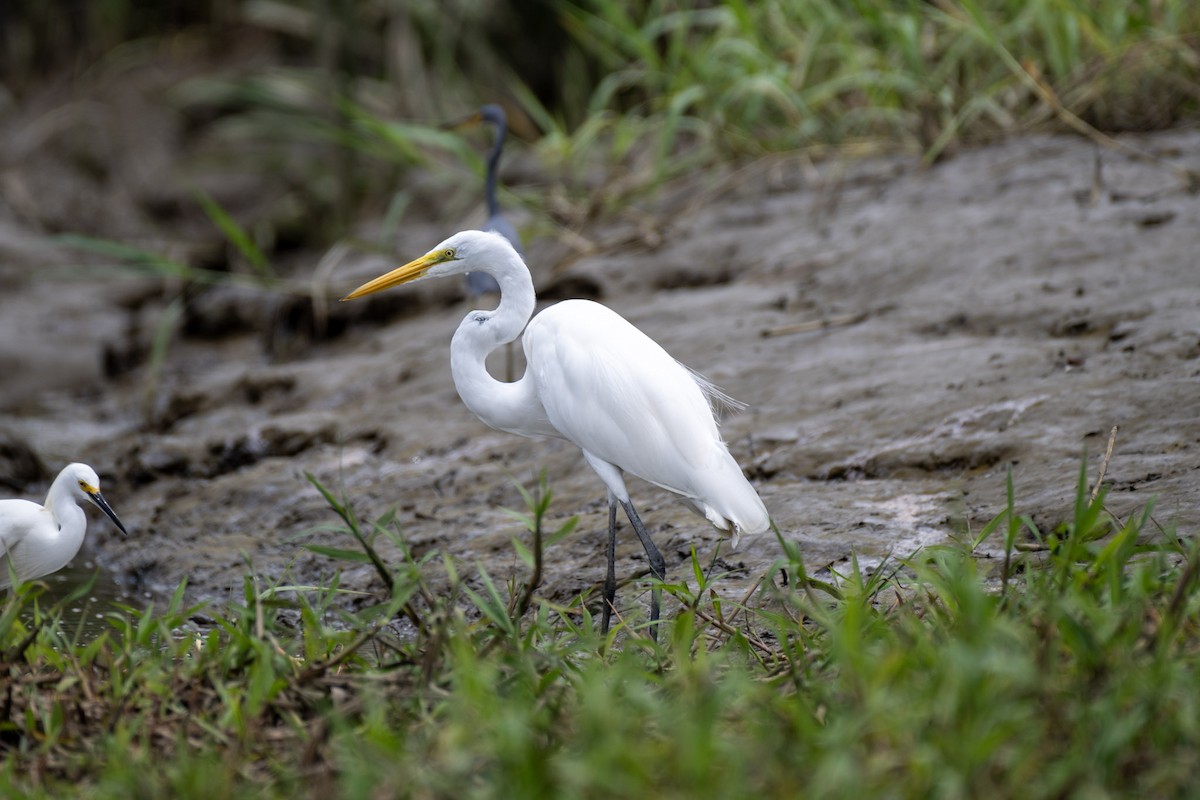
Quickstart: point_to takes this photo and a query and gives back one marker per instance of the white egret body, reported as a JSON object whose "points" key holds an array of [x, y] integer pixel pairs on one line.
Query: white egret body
{"points": [[594, 380], [38, 540]]}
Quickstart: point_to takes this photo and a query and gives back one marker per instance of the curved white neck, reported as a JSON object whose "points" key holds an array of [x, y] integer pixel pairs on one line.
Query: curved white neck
{"points": [[512, 407], [72, 522]]}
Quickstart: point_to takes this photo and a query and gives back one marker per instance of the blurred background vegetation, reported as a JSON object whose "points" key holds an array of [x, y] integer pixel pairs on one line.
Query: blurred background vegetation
{"points": [[340, 99]]}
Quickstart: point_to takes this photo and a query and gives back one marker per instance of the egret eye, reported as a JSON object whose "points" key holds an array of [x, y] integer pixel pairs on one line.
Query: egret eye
{"points": [[449, 254], [82, 485]]}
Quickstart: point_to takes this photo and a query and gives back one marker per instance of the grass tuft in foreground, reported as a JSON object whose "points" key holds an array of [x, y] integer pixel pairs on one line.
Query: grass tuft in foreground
{"points": [[1066, 668]]}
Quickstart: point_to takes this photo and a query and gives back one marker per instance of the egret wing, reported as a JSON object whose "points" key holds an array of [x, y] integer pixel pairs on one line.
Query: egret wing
{"points": [[616, 393], [17, 519], [619, 396]]}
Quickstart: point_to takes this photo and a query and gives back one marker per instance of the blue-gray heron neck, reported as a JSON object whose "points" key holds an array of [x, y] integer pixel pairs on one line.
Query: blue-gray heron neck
{"points": [[493, 115], [479, 283]]}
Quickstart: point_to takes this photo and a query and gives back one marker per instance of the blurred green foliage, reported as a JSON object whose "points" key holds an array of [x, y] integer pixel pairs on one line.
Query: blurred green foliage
{"points": [[744, 76]]}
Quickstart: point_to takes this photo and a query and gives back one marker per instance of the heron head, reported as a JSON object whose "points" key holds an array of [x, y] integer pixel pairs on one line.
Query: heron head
{"points": [[493, 114]]}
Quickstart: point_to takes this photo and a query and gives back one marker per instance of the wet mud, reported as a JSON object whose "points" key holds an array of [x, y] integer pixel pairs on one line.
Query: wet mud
{"points": [[902, 334]]}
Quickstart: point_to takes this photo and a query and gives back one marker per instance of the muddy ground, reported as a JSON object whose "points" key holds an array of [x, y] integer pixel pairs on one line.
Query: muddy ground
{"points": [[1004, 307]]}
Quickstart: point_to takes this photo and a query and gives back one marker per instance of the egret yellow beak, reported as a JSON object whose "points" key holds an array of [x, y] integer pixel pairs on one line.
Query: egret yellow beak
{"points": [[409, 272]]}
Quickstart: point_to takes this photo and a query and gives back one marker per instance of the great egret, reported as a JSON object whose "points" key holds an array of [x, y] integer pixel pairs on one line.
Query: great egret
{"points": [[38, 540], [597, 381], [480, 282]]}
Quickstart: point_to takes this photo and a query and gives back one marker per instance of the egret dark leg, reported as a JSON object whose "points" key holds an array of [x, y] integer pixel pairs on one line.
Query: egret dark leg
{"points": [[658, 567], [610, 577]]}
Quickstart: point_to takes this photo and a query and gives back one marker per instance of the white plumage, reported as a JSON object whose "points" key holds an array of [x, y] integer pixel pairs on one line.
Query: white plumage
{"points": [[621, 398], [37, 540], [594, 380]]}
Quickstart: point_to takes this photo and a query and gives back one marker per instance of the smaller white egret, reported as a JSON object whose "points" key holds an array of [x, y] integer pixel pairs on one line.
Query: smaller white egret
{"points": [[597, 381], [38, 540]]}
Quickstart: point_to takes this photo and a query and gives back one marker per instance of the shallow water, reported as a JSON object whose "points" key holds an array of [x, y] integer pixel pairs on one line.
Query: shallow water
{"points": [[87, 617]]}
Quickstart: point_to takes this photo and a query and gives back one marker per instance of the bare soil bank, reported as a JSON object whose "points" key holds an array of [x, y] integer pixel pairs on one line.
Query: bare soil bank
{"points": [[1000, 308]]}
